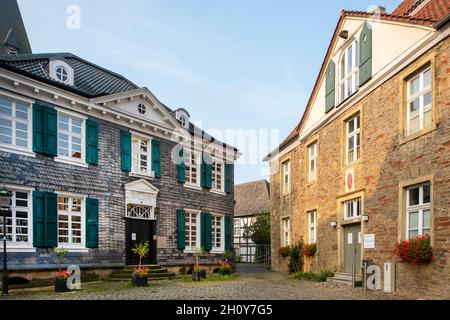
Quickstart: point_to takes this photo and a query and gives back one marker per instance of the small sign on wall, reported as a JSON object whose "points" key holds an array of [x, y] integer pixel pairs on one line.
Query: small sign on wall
{"points": [[369, 241], [133, 236]]}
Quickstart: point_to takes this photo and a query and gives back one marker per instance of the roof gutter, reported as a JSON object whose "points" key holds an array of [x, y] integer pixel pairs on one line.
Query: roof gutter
{"points": [[442, 22]]}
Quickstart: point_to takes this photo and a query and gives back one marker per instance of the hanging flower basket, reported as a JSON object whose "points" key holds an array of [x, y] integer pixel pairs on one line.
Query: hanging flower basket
{"points": [[309, 250], [416, 251]]}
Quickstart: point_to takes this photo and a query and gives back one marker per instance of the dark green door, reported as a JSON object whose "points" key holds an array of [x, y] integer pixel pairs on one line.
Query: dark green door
{"points": [[352, 247]]}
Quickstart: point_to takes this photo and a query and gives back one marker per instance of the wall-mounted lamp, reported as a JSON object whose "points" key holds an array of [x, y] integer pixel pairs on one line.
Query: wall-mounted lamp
{"points": [[333, 224], [365, 218]]}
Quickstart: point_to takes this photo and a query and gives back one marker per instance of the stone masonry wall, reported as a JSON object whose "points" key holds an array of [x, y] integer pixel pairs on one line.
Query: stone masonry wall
{"points": [[384, 164]]}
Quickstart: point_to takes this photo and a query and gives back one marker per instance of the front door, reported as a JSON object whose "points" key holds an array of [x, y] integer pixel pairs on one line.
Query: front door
{"points": [[352, 247], [140, 231]]}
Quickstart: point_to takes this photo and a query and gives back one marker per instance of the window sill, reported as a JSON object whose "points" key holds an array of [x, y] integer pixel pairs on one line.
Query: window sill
{"points": [[72, 162], [74, 249], [142, 175], [18, 248], [222, 193], [191, 251], [193, 186], [353, 163], [220, 251], [19, 151], [311, 183], [424, 131]]}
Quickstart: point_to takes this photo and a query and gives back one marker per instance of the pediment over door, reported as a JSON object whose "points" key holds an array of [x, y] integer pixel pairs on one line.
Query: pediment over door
{"points": [[140, 197]]}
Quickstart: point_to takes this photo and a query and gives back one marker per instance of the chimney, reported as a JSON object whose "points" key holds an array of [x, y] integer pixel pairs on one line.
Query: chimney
{"points": [[376, 9]]}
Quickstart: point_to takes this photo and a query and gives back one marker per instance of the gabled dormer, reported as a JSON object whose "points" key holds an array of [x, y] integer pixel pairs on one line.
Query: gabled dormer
{"points": [[183, 117]]}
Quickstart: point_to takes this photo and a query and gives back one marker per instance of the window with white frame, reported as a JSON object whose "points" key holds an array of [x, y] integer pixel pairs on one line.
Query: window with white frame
{"points": [[286, 232], [237, 228], [217, 226], [192, 167], [418, 211], [312, 229], [312, 162], [217, 175], [349, 71], [353, 138], [70, 137], [286, 176], [141, 148], [352, 208], [192, 229], [419, 102], [61, 74], [70, 221], [18, 218], [15, 126]]}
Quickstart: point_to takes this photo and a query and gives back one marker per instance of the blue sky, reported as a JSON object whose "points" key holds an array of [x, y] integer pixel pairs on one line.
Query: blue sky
{"points": [[247, 65]]}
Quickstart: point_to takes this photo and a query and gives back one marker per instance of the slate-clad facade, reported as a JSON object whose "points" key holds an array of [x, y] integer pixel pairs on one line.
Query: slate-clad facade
{"points": [[97, 164]]}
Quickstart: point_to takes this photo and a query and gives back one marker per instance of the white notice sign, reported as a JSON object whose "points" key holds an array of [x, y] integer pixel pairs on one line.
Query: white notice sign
{"points": [[369, 241], [350, 238]]}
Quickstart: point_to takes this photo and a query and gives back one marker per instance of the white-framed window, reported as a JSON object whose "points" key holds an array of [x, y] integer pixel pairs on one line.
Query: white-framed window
{"points": [[141, 150], [183, 121], [70, 137], [217, 228], [418, 222], [312, 229], [70, 221], [286, 176], [286, 222], [312, 162], [192, 229], [217, 175], [61, 74], [15, 124], [349, 71], [142, 109], [418, 111], [192, 161], [353, 129], [237, 228], [18, 219], [352, 208], [141, 212]]}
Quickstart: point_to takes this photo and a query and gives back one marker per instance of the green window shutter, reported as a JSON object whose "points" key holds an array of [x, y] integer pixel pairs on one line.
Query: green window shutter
{"points": [[51, 131], [228, 177], [203, 229], [51, 230], [228, 234], [38, 129], [125, 150], [39, 219], [365, 54], [330, 86], [91, 142], [181, 170], [156, 157], [92, 223], [208, 231], [181, 229], [206, 171], [203, 173]]}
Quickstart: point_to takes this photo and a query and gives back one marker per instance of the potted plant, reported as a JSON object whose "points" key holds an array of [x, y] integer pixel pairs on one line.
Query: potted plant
{"points": [[140, 275], [61, 276], [225, 268], [197, 273], [309, 250], [416, 251], [284, 251]]}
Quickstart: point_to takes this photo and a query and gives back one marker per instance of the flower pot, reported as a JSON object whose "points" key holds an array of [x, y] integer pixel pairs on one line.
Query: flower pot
{"points": [[139, 281], [61, 285], [196, 276], [203, 274]]}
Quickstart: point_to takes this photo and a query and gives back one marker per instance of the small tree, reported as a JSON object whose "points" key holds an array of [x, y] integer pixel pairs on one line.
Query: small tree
{"points": [[259, 231], [142, 250], [296, 257], [61, 256]]}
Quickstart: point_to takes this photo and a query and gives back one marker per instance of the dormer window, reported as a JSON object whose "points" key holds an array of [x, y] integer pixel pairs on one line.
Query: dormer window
{"points": [[349, 71], [183, 121], [142, 109], [61, 71], [183, 117]]}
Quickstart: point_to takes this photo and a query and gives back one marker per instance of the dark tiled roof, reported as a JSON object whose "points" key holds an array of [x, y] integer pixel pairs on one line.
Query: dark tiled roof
{"points": [[12, 29], [90, 80], [252, 198]]}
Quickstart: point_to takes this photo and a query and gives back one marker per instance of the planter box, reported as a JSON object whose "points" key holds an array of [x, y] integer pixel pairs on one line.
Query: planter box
{"points": [[139, 281], [61, 285], [224, 272]]}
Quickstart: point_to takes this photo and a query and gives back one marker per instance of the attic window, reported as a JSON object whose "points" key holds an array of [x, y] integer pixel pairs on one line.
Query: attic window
{"points": [[142, 109], [62, 74], [183, 121]]}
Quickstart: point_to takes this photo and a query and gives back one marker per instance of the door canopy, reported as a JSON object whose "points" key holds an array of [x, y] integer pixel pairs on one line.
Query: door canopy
{"points": [[140, 197]]}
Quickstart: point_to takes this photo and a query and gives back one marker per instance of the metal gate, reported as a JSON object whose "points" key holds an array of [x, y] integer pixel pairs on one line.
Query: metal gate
{"points": [[253, 253]]}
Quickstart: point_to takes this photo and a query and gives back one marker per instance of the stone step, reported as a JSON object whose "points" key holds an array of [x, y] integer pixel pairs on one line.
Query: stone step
{"points": [[149, 278], [150, 266], [344, 278], [154, 275], [151, 272]]}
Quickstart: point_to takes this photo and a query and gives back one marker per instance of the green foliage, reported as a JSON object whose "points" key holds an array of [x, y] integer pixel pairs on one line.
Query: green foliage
{"points": [[296, 258], [309, 276], [285, 251], [228, 255], [61, 256], [142, 250], [259, 231]]}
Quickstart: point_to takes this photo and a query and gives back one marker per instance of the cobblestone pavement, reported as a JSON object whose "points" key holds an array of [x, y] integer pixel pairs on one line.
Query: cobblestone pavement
{"points": [[248, 286]]}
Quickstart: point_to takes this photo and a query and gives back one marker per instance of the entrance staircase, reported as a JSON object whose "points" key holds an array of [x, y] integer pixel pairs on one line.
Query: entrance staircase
{"points": [[156, 273], [344, 278]]}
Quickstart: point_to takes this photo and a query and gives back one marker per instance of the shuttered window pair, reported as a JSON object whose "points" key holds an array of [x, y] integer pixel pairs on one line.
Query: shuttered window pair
{"points": [[48, 228], [192, 227], [62, 136], [144, 160], [355, 69]]}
